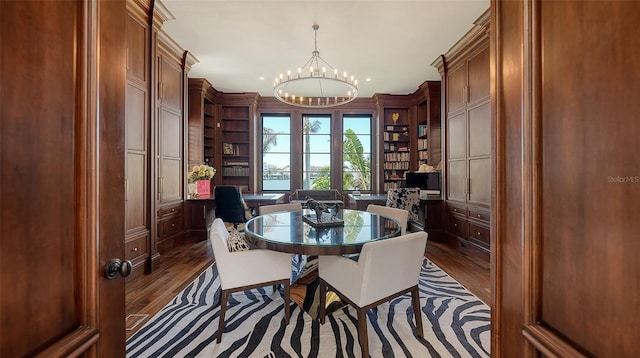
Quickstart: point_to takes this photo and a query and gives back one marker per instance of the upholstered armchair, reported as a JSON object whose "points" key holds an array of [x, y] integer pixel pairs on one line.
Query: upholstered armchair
{"points": [[273, 268], [386, 269], [400, 215], [268, 209], [407, 199]]}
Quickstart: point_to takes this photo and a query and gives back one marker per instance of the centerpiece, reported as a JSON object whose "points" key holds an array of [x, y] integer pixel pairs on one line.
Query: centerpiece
{"points": [[199, 178], [324, 215]]}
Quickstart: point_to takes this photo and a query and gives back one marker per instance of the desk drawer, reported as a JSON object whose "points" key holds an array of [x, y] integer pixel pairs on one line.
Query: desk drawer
{"points": [[169, 227], [479, 214], [167, 211], [457, 226], [136, 248], [458, 210], [480, 235]]}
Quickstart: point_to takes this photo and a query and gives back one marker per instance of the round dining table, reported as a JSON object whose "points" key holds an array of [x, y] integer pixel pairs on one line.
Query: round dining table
{"points": [[294, 232]]}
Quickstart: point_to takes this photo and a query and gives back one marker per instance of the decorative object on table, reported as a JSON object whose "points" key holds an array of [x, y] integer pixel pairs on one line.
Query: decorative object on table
{"points": [[395, 117], [425, 168], [325, 215], [200, 180], [357, 183]]}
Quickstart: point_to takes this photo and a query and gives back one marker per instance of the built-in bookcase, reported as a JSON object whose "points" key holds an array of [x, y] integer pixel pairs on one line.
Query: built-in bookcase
{"points": [[397, 154], [234, 141]]}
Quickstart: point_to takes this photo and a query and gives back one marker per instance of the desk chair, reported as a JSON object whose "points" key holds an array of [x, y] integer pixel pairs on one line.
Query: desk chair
{"points": [[229, 205], [234, 269], [399, 215], [386, 269], [407, 199]]}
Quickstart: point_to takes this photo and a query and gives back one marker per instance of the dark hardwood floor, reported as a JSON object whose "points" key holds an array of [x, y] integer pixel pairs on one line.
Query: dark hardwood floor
{"points": [[148, 294]]}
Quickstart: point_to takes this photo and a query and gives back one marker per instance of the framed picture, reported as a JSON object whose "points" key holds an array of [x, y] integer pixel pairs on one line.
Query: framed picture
{"points": [[227, 148]]}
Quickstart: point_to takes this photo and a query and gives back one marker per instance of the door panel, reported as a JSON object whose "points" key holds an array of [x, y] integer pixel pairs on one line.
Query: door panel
{"points": [[457, 180], [479, 77], [53, 299], [457, 136], [590, 177], [480, 130], [456, 87], [480, 181]]}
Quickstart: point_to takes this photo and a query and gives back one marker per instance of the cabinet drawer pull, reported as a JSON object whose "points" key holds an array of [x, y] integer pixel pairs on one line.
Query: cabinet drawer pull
{"points": [[173, 225], [478, 233], [479, 215], [135, 249], [455, 225], [455, 210], [173, 210]]}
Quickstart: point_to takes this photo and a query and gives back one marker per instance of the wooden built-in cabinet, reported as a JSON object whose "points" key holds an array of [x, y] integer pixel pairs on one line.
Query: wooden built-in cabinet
{"points": [[467, 140], [155, 139], [171, 96], [137, 142]]}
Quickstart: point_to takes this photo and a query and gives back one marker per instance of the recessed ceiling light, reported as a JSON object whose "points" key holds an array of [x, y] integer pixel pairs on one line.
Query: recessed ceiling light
{"points": [[261, 78], [368, 79]]}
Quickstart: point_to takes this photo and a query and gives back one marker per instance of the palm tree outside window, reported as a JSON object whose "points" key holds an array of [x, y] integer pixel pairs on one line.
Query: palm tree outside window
{"points": [[316, 133], [356, 147]]}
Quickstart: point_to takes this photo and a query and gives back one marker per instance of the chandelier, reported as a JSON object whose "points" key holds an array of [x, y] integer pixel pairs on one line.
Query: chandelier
{"points": [[317, 84]]}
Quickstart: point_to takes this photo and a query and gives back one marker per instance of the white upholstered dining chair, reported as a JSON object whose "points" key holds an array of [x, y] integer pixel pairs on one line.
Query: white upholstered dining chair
{"points": [[268, 209], [399, 215], [386, 269], [234, 269]]}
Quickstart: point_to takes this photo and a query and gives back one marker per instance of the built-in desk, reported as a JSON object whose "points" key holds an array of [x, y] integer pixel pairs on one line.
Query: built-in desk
{"points": [[201, 211]]}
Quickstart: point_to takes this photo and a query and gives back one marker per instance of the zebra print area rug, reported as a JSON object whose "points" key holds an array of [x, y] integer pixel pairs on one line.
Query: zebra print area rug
{"points": [[456, 324]]}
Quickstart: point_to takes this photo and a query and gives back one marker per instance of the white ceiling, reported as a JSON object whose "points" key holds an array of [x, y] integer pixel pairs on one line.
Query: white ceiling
{"points": [[391, 42]]}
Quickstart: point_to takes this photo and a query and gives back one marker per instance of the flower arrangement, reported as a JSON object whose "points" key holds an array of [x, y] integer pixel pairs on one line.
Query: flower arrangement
{"points": [[201, 172]]}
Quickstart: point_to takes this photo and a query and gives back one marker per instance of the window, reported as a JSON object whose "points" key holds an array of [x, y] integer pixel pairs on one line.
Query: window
{"points": [[316, 152], [356, 146], [276, 152]]}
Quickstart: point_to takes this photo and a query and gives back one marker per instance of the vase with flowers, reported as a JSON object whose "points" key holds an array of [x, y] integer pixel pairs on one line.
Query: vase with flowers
{"points": [[199, 178]]}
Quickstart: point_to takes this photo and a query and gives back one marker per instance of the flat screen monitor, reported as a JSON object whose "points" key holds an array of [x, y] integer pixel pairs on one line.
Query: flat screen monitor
{"points": [[428, 182]]}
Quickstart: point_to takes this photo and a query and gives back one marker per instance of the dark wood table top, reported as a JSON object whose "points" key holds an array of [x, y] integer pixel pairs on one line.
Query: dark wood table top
{"points": [[288, 232]]}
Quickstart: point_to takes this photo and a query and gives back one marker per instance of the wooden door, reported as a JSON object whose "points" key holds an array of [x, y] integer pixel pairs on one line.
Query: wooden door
{"points": [[62, 196], [567, 274]]}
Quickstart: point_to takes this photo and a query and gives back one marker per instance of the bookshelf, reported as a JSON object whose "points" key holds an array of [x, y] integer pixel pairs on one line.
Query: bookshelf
{"points": [[397, 155], [235, 149], [428, 129]]}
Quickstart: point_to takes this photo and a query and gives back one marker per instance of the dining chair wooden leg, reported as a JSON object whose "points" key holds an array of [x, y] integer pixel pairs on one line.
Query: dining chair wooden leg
{"points": [[362, 332], [417, 312], [223, 310], [287, 305], [322, 287]]}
